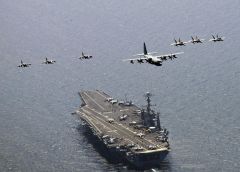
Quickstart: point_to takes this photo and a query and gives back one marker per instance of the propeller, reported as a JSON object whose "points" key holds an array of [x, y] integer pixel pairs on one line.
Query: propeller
{"points": [[164, 58], [140, 60]]}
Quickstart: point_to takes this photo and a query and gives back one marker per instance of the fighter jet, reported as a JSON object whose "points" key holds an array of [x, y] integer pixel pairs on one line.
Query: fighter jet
{"points": [[179, 42], [140, 135], [49, 61], [196, 40], [152, 59], [217, 38], [84, 56], [24, 64]]}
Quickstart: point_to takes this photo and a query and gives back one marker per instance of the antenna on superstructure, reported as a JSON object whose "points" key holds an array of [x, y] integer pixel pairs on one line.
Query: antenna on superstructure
{"points": [[148, 96]]}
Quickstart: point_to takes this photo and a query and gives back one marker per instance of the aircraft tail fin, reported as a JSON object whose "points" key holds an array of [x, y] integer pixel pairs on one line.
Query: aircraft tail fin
{"points": [[175, 40], [82, 54], [21, 62], [192, 38], [144, 49], [213, 36]]}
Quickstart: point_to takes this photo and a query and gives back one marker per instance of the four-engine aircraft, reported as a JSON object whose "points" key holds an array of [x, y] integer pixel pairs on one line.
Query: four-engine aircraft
{"points": [[178, 42], [152, 59], [49, 61], [84, 56], [24, 64], [196, 40], [217, 38]]}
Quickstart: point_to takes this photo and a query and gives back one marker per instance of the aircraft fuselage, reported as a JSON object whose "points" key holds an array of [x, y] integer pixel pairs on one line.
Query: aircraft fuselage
{"points": [[180, 44], [197, 41], [153, 60], [218, 39]]}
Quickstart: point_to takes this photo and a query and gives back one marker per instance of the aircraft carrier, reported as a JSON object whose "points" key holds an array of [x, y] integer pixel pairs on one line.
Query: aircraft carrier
{"points": [[128, 132]]}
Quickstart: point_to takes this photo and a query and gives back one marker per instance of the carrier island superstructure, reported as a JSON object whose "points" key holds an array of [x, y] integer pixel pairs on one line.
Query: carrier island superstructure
{"points": [[132, 134]]}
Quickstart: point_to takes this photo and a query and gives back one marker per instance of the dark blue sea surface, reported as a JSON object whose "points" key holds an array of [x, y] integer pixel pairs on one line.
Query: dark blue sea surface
{"points": [[198, 94]]}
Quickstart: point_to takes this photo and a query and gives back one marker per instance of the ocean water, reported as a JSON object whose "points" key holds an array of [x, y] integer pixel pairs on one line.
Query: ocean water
{"points": [[198, 94]]}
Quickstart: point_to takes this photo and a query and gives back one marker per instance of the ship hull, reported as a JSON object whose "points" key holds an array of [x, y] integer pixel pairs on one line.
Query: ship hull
{"points": [[118, 155], [146, 161], [122, 132]]}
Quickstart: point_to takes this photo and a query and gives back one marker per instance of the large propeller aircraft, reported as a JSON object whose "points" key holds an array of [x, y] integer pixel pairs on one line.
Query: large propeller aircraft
{"points": [[49, 61], [24, 64], [179, 42], [152, 59], [217, 38], [84, 56], [196, 40]]}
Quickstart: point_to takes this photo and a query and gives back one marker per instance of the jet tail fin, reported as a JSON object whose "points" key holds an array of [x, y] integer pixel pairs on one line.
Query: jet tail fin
{"points": [[213, 36], [82, 54], [144, 49]]}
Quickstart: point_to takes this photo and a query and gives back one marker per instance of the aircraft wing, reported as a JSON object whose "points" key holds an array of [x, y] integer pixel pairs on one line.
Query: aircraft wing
{"points": [[167, 55], [138, 55], [135, 59], [150, 53]]}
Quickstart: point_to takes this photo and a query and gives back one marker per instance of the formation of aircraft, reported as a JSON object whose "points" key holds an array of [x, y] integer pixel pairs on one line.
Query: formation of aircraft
{"points": [[193, 40], [196, 40], [151, 58], [179, 42], [24, 64], [216, 38], [146, 56], [84, 56], [49, 61]]}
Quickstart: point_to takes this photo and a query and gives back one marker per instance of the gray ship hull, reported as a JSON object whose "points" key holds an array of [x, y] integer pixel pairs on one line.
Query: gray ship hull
{"points": [[116, 132]]}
